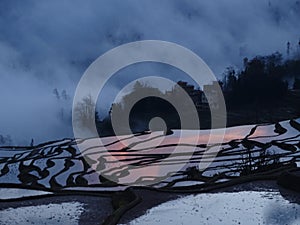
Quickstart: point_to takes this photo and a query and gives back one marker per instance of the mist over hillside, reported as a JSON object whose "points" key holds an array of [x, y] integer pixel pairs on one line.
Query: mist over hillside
{"points": [[47, 45]]}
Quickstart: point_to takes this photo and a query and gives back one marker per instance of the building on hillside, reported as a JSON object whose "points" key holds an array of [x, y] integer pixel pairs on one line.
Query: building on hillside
{"points": [[200, 98], [212, 94], [195, 94]]}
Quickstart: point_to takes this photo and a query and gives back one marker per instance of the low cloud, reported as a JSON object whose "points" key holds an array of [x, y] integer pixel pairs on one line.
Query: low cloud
{"points": [[48, 44]]}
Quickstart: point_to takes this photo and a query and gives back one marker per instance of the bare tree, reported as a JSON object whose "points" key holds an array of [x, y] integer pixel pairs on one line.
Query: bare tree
{"points": [[84, 112]]}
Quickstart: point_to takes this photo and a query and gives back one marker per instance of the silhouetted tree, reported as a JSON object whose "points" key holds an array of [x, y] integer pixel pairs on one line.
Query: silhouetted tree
{"points": [[64, 95], [259, 82], [296, 84], [230, 79], [56, 93], [84, 111]]}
